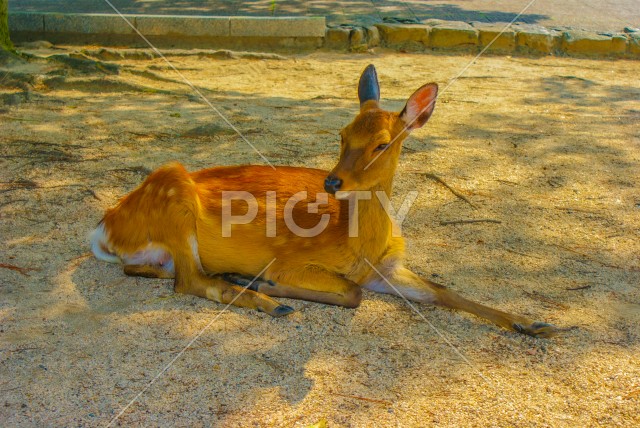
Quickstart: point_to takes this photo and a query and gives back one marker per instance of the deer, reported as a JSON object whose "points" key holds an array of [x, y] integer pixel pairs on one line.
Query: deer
{"points": [[171, 226]]}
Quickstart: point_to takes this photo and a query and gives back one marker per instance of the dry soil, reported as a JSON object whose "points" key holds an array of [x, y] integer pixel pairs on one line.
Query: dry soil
{"points": [[549, 147]]}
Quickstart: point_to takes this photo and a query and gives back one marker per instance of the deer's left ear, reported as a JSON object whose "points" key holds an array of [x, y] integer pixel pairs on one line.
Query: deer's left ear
{"points": [[369, 88], [420, 106]]}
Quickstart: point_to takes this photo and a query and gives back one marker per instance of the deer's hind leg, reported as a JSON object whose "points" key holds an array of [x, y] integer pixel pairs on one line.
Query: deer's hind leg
{"points": [[190, 278], [406, 284], [216, 288], [154, 227], [148, 271], [152, 262]]}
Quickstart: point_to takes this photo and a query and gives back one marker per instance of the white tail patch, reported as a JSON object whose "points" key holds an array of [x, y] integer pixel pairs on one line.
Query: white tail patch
{"points": [[151, 255], [100, 245]]}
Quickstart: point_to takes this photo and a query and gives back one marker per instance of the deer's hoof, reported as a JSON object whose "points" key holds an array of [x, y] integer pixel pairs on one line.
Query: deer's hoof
{"points": [[536, 329], [282, 311]]}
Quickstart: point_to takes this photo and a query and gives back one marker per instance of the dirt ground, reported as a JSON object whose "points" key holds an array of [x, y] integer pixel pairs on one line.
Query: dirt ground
{"points": [[549, 147]]}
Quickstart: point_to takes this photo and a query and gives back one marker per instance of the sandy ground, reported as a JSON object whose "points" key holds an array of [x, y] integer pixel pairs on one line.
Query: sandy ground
{"points": [[549, 147]]}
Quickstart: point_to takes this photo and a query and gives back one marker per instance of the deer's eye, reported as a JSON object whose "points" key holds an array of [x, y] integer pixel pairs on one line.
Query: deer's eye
{"points": [[381, 147]]}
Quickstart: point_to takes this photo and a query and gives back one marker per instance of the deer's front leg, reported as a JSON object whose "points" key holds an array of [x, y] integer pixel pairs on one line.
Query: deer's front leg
{"points": [[405, 283], [310, 283]]}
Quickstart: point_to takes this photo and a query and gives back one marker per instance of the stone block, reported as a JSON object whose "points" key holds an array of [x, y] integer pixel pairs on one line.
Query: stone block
{"points": [[251, 26], [356, 36], [27, 21], [536, 39], [183, 26], [337, 38], [373, 36], [357, 40], [590, 43], [88, 23], [619, 44], [505, 41], [453, 35], [634, 44], [402, 35]]}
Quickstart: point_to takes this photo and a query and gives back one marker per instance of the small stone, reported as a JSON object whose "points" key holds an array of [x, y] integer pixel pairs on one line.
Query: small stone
{"points": [[38, 44], [108, 55]]}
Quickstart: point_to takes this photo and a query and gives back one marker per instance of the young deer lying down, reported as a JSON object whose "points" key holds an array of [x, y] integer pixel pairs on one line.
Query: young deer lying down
{"points": [[176, 225]]}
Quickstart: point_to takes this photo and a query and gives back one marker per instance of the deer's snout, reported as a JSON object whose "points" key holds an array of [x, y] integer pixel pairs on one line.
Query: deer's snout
{"points": [[332, 184]]}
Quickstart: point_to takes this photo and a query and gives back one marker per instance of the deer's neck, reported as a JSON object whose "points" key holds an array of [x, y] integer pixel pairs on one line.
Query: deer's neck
{"points": [[374, 223], [374, 209]]}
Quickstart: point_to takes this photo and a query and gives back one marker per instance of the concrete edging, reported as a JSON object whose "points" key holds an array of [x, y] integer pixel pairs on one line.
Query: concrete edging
{"points": [[182, 30], [311, 33]]}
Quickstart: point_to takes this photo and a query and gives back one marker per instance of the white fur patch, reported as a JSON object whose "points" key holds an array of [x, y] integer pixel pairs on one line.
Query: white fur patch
{"points": [[193, 242], [99, 243], [408, 292]]}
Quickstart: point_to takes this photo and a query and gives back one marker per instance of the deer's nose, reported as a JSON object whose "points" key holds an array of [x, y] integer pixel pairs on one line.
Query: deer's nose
{"points": [[332, 184]]}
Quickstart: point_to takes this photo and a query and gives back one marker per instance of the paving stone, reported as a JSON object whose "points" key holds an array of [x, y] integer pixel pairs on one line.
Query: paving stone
{"points": [[245, 26]]}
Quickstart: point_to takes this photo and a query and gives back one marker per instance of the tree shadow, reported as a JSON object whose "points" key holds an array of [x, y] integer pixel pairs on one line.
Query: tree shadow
{"points": [[105, 336], [346, 12]]}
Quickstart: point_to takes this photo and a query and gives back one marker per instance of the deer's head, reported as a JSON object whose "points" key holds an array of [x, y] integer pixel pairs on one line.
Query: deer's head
{"points": [[371, 144]]}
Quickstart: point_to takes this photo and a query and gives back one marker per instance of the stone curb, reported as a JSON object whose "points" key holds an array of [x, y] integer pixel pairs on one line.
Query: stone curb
{"points": [[311, 33], [439, 35], [167, 25]]}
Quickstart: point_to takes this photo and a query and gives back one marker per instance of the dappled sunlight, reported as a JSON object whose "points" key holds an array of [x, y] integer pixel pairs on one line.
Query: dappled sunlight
{"points": [[545, 151]]}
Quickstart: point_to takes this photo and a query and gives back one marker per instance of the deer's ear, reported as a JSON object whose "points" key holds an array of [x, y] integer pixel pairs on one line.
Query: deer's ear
{"points": [[368, 88], [420, 106]]}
